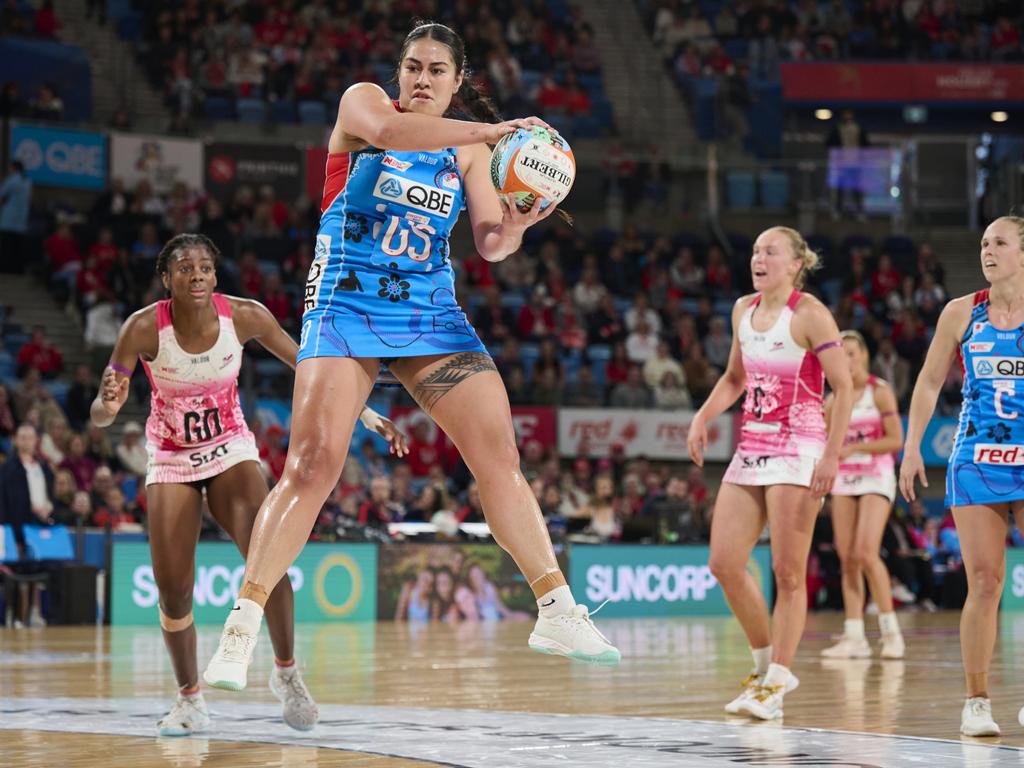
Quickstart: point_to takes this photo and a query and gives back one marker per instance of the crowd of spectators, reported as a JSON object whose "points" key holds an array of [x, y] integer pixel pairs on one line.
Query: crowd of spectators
{"points": [[208, 58]]}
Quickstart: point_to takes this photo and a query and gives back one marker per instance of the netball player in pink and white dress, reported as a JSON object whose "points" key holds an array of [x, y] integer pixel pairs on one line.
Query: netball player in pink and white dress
{"points": [[191, 349], [862, 498], [784, 345]]}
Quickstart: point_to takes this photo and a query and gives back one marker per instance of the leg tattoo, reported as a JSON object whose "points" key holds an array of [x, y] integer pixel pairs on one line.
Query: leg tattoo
{"points": [[436, 385]]}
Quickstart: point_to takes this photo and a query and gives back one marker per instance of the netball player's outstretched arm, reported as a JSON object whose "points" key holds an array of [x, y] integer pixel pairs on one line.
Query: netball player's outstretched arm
{"points": [[367, 117], [814, 322], [941, 352], [254, 322], [137, 337], [726, 391]]}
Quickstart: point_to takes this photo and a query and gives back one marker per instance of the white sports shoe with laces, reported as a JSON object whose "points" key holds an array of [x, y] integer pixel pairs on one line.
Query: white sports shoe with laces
{"points": [[229, 666], [976, 718], [765, 701], [893, 646], [299, 711], [848, 648], [187, 716], [750, 685], [573, 635]]}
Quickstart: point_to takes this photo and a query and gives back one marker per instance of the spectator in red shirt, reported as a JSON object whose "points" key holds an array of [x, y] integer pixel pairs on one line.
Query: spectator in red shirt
{"points": [[78, 462], [577, 102], [277, 300], [472, 511], [40, 354], [550, 95], [62, 249], [115, 510], [885, 280], [1005, 39], [273, 452], [423, 451], [91, 283], [250, 274], [536, 319], [104, 250], [46, 21]]}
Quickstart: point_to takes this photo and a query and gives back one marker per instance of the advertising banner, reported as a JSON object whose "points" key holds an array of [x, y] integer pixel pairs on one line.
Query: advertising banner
{"points": [[654, 434], [232, 165], [915, 83], [937, 443], [451, 582], [530, 423], [160, 160], [1013, 587], [648, 580], [61, 158], [332, 582]]}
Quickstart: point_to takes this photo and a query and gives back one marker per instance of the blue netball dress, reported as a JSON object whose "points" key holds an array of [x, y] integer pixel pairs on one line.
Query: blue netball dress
{"points": [[381, 283], [986, 465]]}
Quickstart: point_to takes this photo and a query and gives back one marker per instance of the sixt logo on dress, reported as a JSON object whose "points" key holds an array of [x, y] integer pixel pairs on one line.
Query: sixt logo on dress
{"points": [[409, 193]]}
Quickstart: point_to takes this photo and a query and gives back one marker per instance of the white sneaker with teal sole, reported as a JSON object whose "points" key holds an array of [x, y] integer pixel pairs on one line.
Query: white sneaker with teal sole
{"points": [[573, 635], [750, 685], [299, 711], [187, 716], [976, 718], [229, 666]]}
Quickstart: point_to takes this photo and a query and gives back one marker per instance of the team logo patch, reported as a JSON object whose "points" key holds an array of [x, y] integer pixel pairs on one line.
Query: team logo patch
{"points": [[999, 367], [450, 181], [980, 346], [391, 188], [411, 194]]}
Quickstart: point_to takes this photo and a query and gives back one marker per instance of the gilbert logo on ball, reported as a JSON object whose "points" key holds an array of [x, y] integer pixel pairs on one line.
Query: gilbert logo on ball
{"points": [[533, 164]]}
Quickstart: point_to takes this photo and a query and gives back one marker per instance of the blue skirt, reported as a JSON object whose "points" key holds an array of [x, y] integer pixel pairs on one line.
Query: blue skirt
{"points": [[387, 314], [968, 483]]}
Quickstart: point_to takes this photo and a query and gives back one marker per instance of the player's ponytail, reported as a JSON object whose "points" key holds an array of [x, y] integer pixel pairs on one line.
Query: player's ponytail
{"points": [[474, 103]]}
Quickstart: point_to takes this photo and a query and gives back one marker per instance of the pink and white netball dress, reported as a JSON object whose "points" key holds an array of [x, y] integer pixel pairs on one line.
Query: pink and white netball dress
{"points": [[864, 473], [782, 435], [195, 428]]}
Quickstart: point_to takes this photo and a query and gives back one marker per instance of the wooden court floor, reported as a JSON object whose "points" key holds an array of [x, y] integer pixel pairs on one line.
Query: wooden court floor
{"points": [[676, 669]]}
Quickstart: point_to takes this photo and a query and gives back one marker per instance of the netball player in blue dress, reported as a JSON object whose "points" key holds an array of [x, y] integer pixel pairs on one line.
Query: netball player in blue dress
{"points": [[381, 290], [985, 478]]}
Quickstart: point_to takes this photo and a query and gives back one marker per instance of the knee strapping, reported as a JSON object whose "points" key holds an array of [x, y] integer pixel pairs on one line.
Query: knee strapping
{"points": [[175, 625]]}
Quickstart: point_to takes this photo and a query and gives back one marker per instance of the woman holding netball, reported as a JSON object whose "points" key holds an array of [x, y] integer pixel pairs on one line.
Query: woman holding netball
{"points": [[381, 290], [785, 343], [862, 498], [984, 479], [197, 438]]}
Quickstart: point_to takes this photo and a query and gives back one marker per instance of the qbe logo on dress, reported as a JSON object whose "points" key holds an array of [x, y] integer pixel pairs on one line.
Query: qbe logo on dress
{"points": [[431, 200], [999, 367]]}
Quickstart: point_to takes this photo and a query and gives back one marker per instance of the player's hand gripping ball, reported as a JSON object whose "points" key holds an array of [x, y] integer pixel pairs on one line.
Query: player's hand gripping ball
{"points": [[533, 164]]}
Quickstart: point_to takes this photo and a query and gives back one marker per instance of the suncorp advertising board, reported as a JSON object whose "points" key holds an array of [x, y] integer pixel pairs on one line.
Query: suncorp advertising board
{"points": [[647, 580], [332, 582]]}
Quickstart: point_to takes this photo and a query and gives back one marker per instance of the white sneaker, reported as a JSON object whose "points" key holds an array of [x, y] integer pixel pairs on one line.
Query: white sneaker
{"points": [[976, 718], [230, 664], [750, 684], [764, 702], [299, 711], [187, 716], [574, 635], [904, 595], [848, 648], [893, 646]]}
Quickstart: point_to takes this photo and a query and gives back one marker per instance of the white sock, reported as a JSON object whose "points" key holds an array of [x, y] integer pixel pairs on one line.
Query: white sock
{"points": [[762, 658], [854, 629], [556, 602], [247, 613], [776, 675], [888, 624]]}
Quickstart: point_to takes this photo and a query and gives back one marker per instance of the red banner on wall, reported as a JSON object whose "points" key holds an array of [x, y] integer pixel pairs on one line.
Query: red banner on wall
{"points": [[529, 422], [920, 83]]}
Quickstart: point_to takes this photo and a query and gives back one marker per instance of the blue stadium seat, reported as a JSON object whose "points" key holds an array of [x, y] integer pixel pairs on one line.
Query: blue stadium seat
{"points": [[268, 268], [59, 390], [49, 542], [512, 301], [530, 79], [588, 127], [8, 544], [739, 189], [220, 108], [283, 112], [252, 111], [312, 113], [737, 48], [774, 190], [528, 355]]}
